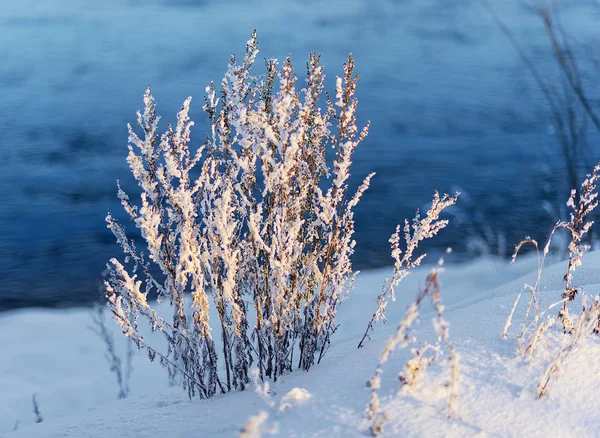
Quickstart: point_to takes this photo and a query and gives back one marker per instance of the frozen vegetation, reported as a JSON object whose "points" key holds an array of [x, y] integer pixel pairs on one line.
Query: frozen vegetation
{"points": [[243, 290]]}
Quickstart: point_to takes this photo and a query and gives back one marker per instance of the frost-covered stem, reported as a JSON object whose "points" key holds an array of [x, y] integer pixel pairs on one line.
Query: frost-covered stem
{"points": [[225, 338], [537, 335], [442, 330], [579, 226], [454, 378], [422, 229], [36, 409], [532, 289], [399, 338], [510, 316], [420, 359], [586, 322], [152, 352], [122, 374]]}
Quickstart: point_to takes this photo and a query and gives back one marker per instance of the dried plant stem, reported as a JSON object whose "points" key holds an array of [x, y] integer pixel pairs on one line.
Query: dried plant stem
{"points": [[36, 410], [585, 324], [420, 360], [422, 229]]}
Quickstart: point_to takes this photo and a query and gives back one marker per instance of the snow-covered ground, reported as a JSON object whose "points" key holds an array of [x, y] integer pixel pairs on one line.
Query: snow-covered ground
{"points": [[53, 354]]}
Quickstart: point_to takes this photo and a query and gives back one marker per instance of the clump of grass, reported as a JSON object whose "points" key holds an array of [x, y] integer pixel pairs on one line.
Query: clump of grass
{"points": [[256, 225], [582, 203], [585, 323]]}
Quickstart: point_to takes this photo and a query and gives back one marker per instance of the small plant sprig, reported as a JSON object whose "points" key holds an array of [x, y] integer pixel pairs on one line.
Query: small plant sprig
{"points": [[423, 356], [422, 229], [578, 226]]}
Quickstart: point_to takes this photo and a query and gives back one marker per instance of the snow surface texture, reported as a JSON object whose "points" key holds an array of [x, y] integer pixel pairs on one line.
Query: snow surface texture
{"points": [[52, 354]]}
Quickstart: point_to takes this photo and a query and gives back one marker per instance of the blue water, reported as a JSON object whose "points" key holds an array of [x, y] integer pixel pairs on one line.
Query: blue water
{"points": [[452, 108]]}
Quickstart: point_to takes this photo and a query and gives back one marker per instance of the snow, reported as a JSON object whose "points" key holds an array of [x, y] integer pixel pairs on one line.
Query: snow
{"points": [[52, 354]]}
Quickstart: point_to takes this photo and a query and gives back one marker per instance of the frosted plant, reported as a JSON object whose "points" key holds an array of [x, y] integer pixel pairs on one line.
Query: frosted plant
{"points": [[255, 225], [296, 248], [534, 330], [422, 229], [423, 356], [533, 291], [578, 226], [585, 323], [168, 222]]}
